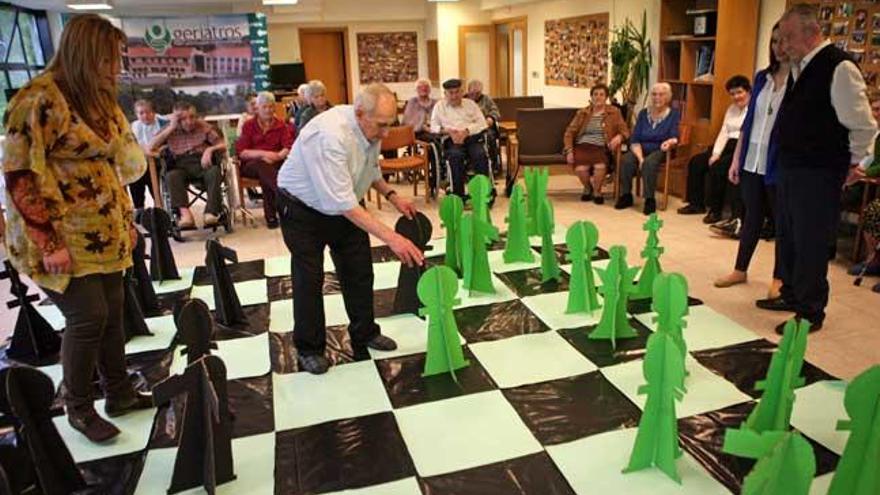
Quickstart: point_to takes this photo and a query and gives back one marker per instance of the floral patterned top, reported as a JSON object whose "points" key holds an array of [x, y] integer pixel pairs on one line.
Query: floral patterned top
{"points": [[65, 186]]}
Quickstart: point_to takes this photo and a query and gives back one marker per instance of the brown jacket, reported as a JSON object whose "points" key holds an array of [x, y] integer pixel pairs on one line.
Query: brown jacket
{"points": [[613, 124]]}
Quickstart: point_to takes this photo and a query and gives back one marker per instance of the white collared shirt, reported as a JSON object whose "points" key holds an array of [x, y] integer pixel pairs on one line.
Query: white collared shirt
{"points": [[849, 98], [766, 109], [332, 164], [730, 128], [465, 116]]}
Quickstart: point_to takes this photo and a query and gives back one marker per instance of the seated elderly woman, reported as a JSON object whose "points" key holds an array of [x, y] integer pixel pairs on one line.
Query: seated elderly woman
{"points": [[262, 147], [655, 134], [594, 131], [417, 112], [316, 102]]}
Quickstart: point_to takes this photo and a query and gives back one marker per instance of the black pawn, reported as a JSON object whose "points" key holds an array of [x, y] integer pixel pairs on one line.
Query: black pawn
{"points": [[228, 307], [133, 320], [195, 330], [33, 339], [27, 394], [418, 230], [204, 454], [140, 276], [162, 264]]}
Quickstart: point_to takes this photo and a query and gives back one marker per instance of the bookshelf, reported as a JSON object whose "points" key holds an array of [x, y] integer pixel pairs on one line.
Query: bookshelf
{"points": [[726, 49]]}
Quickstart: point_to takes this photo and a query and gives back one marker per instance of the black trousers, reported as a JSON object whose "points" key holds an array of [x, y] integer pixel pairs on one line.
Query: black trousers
{"points": [[138, 190], [306, 233], [459, 154], [707, 185], [808, 210], [758, 202]]}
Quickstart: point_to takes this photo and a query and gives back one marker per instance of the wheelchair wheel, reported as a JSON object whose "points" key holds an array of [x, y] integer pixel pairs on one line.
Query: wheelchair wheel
{"points": [[227, 220]]}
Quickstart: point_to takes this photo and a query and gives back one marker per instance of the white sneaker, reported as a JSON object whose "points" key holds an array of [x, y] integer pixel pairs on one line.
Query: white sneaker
{"points": [[211, 219]]}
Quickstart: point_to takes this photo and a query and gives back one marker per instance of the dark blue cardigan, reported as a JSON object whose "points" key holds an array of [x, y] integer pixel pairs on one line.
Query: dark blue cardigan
{"points": [[746, 131]]}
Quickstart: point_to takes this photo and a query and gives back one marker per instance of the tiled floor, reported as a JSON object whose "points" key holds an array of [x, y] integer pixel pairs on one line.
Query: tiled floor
{"points": [[848, 344]]}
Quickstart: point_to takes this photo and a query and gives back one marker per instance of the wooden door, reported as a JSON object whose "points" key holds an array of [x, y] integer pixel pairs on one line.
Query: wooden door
{"points": [[324, 56], [476, 54]]}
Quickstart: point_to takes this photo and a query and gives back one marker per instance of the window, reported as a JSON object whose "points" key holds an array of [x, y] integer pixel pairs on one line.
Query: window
{"points": [[25, 47]]}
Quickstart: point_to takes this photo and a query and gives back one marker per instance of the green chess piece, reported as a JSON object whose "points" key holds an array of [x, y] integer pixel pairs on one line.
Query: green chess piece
{"points": [[475, 235], [549, 264], [670, 302], [657, 439], [786, 463], [517, 246], [536, 191], [437, 290], [479, 188], [651, 254], [857, 472], [773, 412], [617, 285], [581, 239], [451, 210]]}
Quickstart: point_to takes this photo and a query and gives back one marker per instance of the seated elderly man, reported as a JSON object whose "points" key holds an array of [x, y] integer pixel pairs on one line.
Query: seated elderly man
{"points": [[462, 120], [262, 147], [192, 146], [417, 112]]}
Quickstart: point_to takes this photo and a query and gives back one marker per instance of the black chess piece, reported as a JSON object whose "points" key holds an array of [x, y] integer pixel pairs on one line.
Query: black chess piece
{"points": [[204, 454], [133, 321], [418, 230], [140, 277], [27, 394], [228, 307], [162, 264], [195, 329], [33, 339]]}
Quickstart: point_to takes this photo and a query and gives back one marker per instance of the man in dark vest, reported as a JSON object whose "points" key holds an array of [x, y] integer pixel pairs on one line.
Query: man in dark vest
{"points": [[824, 129]]}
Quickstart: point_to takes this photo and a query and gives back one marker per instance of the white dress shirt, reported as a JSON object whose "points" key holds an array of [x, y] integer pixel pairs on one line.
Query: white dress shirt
{"points": [[730, 128], [849, 98], [332, 164], [465, 116], [766, 109]]}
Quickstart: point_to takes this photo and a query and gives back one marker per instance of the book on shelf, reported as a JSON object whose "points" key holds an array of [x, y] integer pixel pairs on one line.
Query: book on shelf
{"points": [[705, 62]]}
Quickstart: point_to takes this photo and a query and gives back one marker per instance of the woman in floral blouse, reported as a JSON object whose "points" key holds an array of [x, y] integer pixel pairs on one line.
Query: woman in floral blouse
{"points": [[68, 154]]}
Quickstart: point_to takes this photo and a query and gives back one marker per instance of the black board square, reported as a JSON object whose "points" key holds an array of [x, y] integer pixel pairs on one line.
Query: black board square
{"points": [[116, 475], [257, 323], [283, 354], [562, 254], [534, 474], [402, 377], [497, 321], [568, 409], [528, 282], [281, 288], [240, 272], [642, 306], [600, 351], [340, 455]]}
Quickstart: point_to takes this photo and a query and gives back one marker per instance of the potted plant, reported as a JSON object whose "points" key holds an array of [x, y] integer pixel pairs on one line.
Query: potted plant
{"points": [[631, 61]]}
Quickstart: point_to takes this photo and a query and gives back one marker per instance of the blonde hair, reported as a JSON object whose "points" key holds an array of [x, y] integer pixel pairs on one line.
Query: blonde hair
{"points": [[88, 41]]}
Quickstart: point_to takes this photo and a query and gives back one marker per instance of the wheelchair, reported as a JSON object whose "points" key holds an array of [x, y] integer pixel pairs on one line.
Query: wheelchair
{"points": [[196, 192]]}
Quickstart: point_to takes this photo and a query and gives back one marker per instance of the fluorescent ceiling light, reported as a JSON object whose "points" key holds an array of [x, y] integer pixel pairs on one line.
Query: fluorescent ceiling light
{"points": [[280, 2], [91, 5]]}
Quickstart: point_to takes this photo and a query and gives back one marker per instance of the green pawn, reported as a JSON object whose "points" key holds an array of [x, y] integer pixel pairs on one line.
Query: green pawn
{"points": [[657, 439], [549, 264], [670, 302], [617, 285], [451, 210], [581, 239], [437, 289], [536, 191], [475, 235], [857, 472], [479, 188], [651, 254], [786, 463], [773, 412], [517, 247]]}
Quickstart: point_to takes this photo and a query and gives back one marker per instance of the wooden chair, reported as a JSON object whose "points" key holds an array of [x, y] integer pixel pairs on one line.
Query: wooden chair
{"points": [[684, 136], [416, 162]]}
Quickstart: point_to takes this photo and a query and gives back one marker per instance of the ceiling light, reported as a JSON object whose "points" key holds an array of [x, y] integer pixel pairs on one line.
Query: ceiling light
{"points": [[280, 2], [90, 5]]}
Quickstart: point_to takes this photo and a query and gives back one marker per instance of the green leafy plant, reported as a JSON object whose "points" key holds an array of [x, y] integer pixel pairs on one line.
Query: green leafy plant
{"points": [[631, 61]]}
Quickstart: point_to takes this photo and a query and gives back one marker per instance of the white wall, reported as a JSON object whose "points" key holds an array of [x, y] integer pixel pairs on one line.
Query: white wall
{"points": [[771, 11], [449, 17]]}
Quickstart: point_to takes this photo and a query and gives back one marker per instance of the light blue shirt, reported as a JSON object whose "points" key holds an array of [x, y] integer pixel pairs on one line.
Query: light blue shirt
{"points": [[144, 133], [332, 164]]}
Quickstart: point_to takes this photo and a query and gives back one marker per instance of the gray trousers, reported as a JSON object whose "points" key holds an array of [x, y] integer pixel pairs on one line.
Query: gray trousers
{"points": [[629, 165], [93, 337], [188, 168]]}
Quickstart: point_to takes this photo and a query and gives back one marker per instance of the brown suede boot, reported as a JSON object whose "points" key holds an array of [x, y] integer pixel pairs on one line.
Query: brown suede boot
{"points": [[85, 420]]}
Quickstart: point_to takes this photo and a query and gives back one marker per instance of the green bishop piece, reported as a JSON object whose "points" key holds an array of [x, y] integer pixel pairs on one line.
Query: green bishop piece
{"points": [[475, 235], [670, 302], [786, 463], [651, 254], [617, 285], [858, 471], [437, 289], [451, 210], [517, 246], [549, 264], [581, 240], [536, 192]]}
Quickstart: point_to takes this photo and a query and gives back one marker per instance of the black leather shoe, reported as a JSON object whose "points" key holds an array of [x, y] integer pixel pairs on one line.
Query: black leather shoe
{"points": [[624, 201], [650, 206], [599, 200], [814, 327], [691, 210], [382, 343], [314, 364], [272, 223], [86, 421], [775, 304], [121, 406], [712, 217]]}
